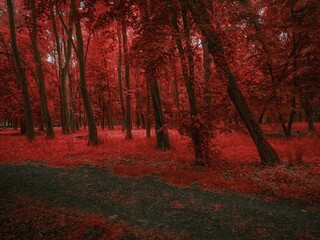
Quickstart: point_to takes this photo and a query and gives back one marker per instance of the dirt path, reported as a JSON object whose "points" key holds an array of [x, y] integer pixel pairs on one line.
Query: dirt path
{"points": [[149, 202]]}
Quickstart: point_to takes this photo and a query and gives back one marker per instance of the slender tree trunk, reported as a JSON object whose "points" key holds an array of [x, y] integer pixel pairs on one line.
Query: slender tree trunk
{"points": [[93, 134], [138, 101], [163, 142], [40, 75], [72, 108], [202, 18], [63, 70], [206, 73], [108, 103], [123, 112], [309, 113], [102, 118], [148, 122], [105, 107], [188, 79], [22, 76], [127, 78], [291, 118], [175, 89]]}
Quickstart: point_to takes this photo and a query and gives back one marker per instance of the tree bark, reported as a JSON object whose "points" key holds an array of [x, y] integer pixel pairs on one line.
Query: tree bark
{"points": [[188, 75], [72, 107], [309, 113], [40, 75], [63, 70], [202, 18], [22, 76], [175, 89], [148, 122], [123, 111], [138, 101], [93, 134], [127, 80], [206, 73], [163, 142]]}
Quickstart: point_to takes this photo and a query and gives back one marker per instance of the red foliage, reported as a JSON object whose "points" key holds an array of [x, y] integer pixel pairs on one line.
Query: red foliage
{"points": [[238, 169]]}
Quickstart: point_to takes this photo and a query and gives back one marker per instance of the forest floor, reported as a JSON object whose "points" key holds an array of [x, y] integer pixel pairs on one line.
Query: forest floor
{"points": [[38, 202], [64, 189]]}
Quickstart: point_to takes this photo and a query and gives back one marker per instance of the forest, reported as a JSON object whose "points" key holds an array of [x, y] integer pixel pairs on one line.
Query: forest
{"points": [[148, 119]]}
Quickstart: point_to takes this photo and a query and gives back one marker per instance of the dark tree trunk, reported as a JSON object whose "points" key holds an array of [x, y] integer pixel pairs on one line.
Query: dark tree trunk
{"points": [[188, 78], [143, 121], [163, 142], [23, 127], [22, 76], [123, 111], [175, 89], [105, 108], [93, 134], [72, 108], [109, 116], [148, 122], [202, 18], [138, 101], [15, 124], [309, 113], [290, 122], [63, 70], [40, 75], [127, 80], [102, 118], [206, 74]]}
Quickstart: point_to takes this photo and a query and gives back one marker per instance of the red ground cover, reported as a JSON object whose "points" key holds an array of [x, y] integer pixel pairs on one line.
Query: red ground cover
{"points": [[26, 218], [236, 169]]}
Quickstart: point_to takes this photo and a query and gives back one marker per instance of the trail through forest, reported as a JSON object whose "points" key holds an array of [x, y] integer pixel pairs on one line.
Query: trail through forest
{"points": [[190, 213]]}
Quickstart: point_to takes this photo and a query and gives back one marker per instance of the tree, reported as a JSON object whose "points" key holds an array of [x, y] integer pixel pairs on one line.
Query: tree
{"points": [[22, 76], [201, 16], [201, 155], [123, 111], [151, 60], [93, 134], [40, 74], [63, 69], [127, 80]]}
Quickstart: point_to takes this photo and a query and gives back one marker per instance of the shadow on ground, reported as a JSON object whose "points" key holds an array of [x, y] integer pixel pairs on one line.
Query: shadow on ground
{"points": [[150, 203]]}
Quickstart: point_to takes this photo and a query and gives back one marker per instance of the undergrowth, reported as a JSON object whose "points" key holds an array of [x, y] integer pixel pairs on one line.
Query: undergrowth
{"points": [[238, 169]]}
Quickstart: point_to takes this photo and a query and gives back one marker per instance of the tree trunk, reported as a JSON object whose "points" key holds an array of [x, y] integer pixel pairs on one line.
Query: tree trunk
{"points": [[148, 122], [102, 118], [105, 108], [22, 76], [40, 75], [188, 79], [138, 101], [127, 80], [309, 113], [202, 18], [163, 142], [23, 127], [123, 111], [72, 108], [109, 116], [93, 134], [63, 70], [206, 74]]}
